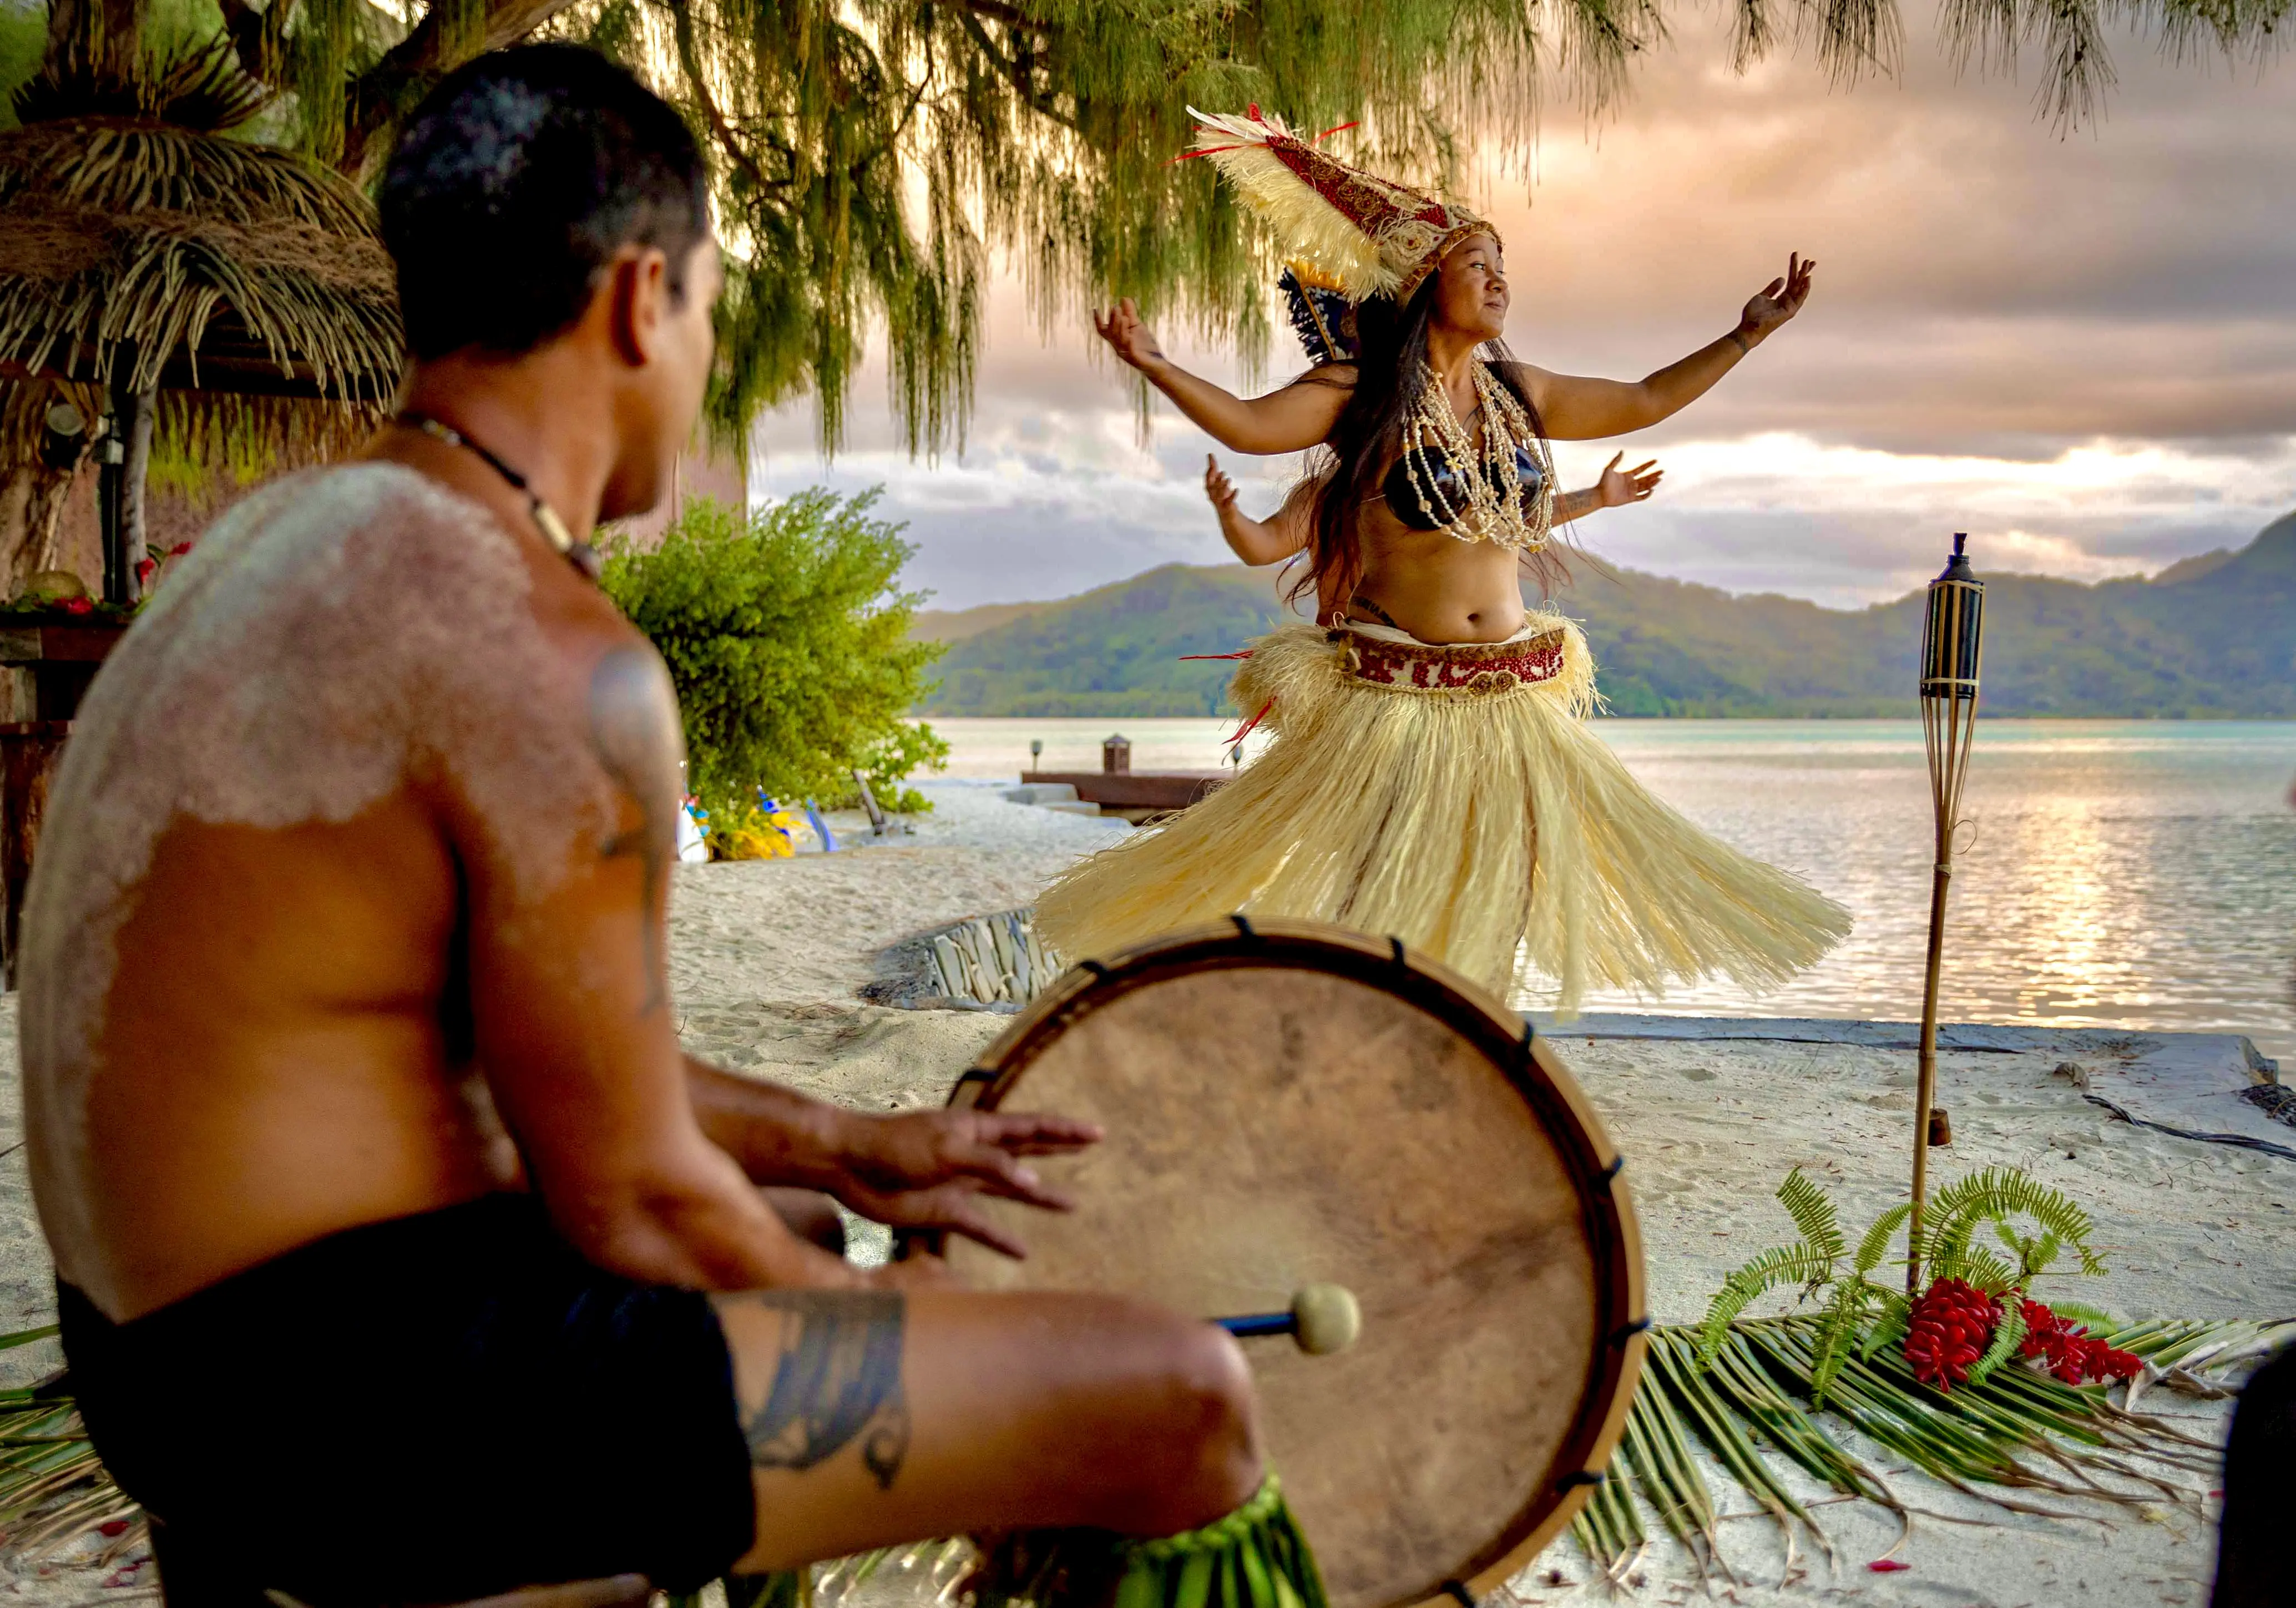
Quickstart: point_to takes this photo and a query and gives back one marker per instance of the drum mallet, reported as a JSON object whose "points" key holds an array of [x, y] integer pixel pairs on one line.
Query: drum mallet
{"points": [[1324, 1318]]}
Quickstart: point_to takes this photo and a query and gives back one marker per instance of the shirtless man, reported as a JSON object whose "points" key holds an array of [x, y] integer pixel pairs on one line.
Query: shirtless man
{"points": [[401, 1255]]}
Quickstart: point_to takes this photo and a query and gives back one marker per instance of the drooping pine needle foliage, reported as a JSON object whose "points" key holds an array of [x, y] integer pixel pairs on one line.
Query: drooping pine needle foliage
{"points": [[871, 157]]}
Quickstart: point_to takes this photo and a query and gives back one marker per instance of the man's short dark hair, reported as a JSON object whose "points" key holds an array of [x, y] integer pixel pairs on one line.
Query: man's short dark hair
{"points": [[515, 182]]}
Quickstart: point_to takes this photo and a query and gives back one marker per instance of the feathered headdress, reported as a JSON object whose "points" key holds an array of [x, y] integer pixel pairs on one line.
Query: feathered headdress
{"points": [[1362, 234]]}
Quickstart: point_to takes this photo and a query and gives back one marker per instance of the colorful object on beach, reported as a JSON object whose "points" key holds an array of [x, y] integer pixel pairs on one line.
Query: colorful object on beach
{"points": [[692, 831], [1253, 1558], [1948, 1330], [763, 832], [1349, 231], [820, 827]]}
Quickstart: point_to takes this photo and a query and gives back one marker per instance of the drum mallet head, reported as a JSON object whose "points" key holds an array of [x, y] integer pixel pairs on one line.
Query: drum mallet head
{"points": [[1324, 1318]]}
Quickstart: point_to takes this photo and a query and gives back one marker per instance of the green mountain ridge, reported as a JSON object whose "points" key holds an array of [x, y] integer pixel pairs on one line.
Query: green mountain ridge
{"points": [[2208, 637]]}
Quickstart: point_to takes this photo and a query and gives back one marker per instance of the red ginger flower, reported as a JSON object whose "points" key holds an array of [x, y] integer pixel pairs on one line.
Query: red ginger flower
{"points": [[2069, 1351], [1948, 1330]]}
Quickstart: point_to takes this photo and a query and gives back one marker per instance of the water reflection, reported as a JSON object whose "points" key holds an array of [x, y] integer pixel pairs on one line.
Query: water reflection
{"points": [[2130, 873]]}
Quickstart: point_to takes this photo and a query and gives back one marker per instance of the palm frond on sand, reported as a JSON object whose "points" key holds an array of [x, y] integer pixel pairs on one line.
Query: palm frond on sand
{"points": [[2009, 1437]]}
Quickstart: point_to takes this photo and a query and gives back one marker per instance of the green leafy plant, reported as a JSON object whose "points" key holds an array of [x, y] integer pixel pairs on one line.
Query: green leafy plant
{"points": [[1865, 1316], [788, 637]]}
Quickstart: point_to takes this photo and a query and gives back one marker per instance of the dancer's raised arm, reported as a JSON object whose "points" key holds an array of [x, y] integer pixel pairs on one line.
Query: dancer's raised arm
{"points": [[1291, 420], [1575, 408]]}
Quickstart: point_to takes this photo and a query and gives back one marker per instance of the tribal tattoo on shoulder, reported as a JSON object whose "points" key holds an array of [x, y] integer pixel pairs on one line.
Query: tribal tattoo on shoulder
{"points": [[634, 730], [836, 1378]]}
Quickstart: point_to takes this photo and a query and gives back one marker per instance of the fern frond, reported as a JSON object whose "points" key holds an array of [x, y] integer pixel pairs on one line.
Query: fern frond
{"points": [[2005, 1191], [2097, 1318], [1813, 1213], [1781, 1265], [1890, 1327], [2008, 1334], [1837, 1330], [1979, 1269], [1876, 1245]]}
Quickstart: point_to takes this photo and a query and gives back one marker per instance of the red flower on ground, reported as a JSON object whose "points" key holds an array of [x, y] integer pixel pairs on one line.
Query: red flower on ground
{"points": [[2071, 1351], [1948, 1330], [79, 605]]}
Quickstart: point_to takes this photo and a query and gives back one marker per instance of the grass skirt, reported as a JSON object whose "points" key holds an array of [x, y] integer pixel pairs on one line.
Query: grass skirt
{"points": [[1451, 796]]}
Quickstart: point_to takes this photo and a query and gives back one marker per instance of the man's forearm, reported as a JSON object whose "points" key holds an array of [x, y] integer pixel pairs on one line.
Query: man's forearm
{"points": [[779, 1136]]}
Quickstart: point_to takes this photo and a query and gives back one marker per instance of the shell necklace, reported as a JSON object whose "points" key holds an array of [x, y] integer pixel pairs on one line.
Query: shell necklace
{"points": [[1482, 501]]}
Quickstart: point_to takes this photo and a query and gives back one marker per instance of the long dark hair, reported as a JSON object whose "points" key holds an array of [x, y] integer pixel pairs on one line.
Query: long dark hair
{"points": [[1390, 375]]}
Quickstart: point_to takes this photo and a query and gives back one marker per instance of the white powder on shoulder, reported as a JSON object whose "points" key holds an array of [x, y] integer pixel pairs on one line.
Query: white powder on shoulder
{"points": [[327, 634]]}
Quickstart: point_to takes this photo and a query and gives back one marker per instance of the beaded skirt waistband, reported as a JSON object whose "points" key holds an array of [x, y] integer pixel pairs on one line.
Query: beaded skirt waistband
{"points": [[1388, 659]]}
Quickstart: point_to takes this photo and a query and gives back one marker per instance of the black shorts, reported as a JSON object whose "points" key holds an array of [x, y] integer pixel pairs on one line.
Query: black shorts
{"points": [[422, 1411]]}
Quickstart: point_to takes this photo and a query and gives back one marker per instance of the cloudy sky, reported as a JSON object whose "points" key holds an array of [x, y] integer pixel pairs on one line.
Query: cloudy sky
{"points": [[2080, 348]]}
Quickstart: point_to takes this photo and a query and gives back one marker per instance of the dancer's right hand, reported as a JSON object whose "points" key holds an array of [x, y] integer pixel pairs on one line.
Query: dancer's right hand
{"points": [[1129, 338], [1268, 541], [1219, 488]]}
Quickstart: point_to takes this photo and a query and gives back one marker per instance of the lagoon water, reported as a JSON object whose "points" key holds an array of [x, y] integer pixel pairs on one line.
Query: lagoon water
{"points": [[2129, 873]]}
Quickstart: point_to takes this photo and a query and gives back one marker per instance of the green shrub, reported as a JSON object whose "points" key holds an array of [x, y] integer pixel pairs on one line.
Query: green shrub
{"points": [[788, 638]]}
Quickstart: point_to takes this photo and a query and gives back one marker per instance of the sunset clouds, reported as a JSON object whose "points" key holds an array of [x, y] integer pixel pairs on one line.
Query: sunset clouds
{"points": [[2082, 349]]}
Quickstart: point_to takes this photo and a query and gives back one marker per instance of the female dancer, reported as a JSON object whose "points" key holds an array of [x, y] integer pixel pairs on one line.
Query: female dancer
{"points": [[1431, 775]]}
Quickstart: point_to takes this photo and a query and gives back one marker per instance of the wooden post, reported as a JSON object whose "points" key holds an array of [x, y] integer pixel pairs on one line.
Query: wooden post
{"points": [[125, 458]]}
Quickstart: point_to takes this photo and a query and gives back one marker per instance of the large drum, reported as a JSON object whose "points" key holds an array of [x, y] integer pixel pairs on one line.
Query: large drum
{"points": [[1287, 1104]]}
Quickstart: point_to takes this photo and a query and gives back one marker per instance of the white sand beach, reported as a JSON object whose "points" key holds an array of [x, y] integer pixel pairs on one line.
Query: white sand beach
{"points": [[769, 959]]}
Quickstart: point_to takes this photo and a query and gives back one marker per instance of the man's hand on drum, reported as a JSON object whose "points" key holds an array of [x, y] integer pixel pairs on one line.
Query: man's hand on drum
{"points": [[930, 1170]]}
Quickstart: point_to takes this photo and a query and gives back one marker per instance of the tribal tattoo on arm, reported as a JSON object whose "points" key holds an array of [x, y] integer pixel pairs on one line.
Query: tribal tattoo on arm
{"points": [[1576, 504], [836, 1379], [635, 732]]}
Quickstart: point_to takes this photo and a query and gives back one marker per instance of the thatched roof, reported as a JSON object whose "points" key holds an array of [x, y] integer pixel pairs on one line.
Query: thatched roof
{"points": [[231, 267]]}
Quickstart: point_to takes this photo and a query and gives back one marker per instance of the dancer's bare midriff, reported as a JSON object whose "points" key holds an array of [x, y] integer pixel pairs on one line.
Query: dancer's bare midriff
{"points": [[1431, 584]]}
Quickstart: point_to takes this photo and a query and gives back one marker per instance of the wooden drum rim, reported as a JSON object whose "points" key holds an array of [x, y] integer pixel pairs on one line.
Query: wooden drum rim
{"points": [[1594, 1164]]}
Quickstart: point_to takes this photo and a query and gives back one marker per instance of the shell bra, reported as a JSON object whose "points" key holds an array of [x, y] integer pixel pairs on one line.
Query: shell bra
{"points": [[1501, 493]]}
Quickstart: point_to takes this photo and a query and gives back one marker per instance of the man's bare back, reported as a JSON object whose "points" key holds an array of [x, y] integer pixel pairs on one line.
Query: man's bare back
{"points": [[349, 1055], [246, 1020]]}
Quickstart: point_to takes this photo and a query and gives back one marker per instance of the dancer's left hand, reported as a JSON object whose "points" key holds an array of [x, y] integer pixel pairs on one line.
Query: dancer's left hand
{"points": [[1619, 487], [1778, 300]]}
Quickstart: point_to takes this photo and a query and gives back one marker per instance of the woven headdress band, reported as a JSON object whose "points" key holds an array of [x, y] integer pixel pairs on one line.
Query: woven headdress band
{"points": [[1366, 236]]}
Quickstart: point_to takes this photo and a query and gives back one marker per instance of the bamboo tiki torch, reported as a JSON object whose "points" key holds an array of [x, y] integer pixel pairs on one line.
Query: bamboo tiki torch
{"points": [[1953, 640]]}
